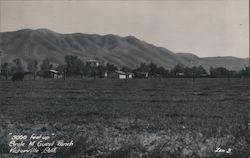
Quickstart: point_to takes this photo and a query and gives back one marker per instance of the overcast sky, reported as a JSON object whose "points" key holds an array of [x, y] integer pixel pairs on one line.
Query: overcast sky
{"points": [[202, 27]]}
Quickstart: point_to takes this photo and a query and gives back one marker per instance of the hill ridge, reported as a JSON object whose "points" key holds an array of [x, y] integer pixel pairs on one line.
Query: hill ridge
{"points": [[38, 44]]}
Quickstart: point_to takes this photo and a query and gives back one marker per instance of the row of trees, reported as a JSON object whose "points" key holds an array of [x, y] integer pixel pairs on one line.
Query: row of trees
{"points": [[74, 67], [195, 71], [17, 66]]}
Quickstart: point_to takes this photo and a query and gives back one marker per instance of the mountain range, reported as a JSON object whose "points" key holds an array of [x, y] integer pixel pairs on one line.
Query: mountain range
{"points": [[128, 51]]}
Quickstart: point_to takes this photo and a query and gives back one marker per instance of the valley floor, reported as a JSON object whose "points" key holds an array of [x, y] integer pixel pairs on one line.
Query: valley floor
{"points": [[138, 118]]}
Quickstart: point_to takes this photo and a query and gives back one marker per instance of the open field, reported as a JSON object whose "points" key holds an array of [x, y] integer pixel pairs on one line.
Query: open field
{"points": [[155, 118]]}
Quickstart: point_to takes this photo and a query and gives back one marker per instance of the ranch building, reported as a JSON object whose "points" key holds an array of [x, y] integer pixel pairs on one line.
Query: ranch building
{"points": [[180, 74], [52, 74], [119, 75], [93, 63], [204, 75]]}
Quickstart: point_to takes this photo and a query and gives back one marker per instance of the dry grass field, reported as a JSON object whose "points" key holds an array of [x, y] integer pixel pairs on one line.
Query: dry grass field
{"points": [[147, 118]]}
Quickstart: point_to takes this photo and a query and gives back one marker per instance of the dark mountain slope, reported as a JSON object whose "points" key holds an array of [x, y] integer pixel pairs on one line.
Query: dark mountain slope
{"points": [[128, 51]]}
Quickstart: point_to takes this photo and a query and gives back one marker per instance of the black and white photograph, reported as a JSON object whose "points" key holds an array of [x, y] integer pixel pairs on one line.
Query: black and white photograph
{"points": [[124, 79]]}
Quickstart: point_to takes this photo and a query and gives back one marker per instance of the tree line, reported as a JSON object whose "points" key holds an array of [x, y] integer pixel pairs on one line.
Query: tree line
{"points": [[74, 66]]}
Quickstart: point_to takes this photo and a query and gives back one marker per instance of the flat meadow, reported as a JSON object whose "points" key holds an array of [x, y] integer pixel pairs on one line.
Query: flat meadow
{"points": [[137, 118]]}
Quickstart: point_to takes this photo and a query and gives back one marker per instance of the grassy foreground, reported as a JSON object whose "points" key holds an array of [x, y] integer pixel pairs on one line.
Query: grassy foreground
{"points": [[151, 118]]}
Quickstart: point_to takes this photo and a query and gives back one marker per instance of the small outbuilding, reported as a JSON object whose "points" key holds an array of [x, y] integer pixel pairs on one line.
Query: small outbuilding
{"points": [[52, 74], [93, 63], [180, 74], [130, 75], [119, 75], [204, 75]]}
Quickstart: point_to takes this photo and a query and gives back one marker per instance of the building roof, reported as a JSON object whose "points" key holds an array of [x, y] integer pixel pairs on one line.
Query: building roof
{"points": [[120, 72], [92, 60], [54, 71]]}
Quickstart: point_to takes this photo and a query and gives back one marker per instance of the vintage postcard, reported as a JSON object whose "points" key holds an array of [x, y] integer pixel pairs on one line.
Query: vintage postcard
{"points": [[124, 79]]}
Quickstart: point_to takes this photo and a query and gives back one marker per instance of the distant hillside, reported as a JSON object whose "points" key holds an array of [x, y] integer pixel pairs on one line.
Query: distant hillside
{"points": [[129, 51], [229, 62]]}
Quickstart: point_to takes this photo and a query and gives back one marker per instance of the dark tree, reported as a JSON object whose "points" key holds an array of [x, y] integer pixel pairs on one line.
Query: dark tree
{"points": [[100, 70], [33, 67], [46, 65], [73, 65], [218, 72], [195, 72], [245, 72], [88, 70], [62, 70], [190, 72], [162, 72], [110, 67], [18, 76], [17, 66], [201, 71], [177, 69], [143, 68], [5, 70], [126, 69], [153, 69]]}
